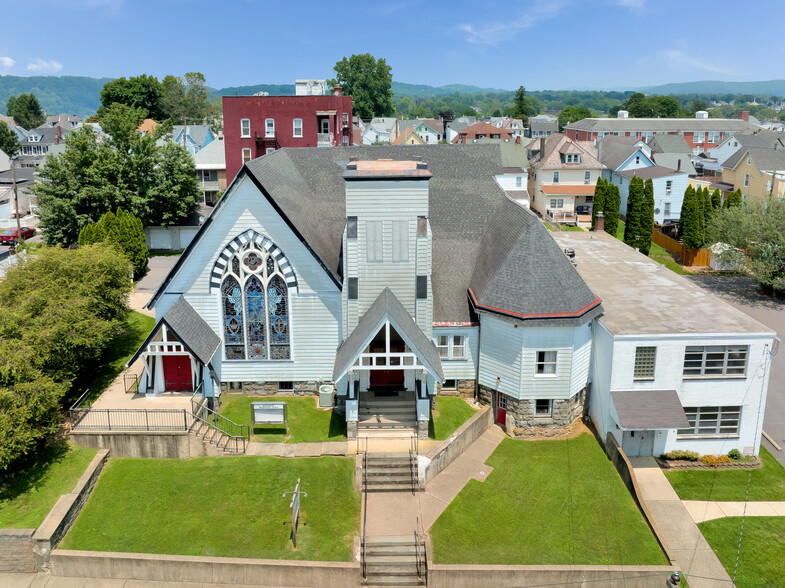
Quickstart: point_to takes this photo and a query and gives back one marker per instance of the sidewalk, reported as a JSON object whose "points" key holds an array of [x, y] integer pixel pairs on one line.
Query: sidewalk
{"points": [[702, 510], [683, 540]]}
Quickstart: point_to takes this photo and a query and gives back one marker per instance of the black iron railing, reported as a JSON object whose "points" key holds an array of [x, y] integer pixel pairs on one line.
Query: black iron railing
{"points": [[417, 539], [130, 419], [365, 510], [131, 383], [216, 428], [414, 451]]}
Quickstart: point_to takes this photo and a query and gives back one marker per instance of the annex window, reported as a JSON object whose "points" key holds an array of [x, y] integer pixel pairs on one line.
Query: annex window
{"points": [[644, 363], [712, 421], [698, 137], [422, 226], [246, 155], [353, 289], [451, 346], [255, 302], [715, 360], [351, 227], [546, 363], [557, 203], [297, 127], [746, 180], [587, 177], [400, 240], [450, 385], [555, 177], [421, 287], [543, 407], [269, 127], [374, 241], [245, 127]]}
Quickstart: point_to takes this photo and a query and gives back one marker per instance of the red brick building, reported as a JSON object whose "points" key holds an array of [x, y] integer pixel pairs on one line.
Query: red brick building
{"points": [[256, 125]]}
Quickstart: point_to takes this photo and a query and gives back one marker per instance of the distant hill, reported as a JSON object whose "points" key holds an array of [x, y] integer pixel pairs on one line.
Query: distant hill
{"points": [[69, 94], [272, 89], [773, 87], [399, 89]]}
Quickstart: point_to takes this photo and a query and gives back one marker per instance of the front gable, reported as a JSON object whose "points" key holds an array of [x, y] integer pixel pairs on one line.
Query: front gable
{"points": [[636, 160]]}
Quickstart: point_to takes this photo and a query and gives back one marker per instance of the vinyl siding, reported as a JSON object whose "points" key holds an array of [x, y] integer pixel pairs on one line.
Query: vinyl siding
{"points": [[500, 355], [533, 385], [581, 358], [461, 369]]}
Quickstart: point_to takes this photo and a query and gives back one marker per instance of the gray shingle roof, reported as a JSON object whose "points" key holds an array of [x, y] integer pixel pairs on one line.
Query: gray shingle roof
{"points": [[649, 409], [654, 171], [764, 159], [765, 139], [213, 156], [683, 161], [387, 306], [669, 144], [661, 124], [614, 151]]}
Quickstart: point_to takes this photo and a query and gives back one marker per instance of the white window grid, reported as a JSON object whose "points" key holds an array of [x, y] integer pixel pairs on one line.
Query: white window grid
{"points": [[269, 127], [451, 346], [245, 127], [698, 137], [297, 127], [555, 177], [557, 203], [712, 421], [715, 360], [543, 407]]}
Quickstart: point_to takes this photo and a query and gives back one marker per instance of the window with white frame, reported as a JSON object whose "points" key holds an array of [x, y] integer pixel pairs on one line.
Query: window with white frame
{"points": [[518, 181], [644, 363], [555, 177], [715, 360], [546, 363], [246, 155], [714, 136], [297, 127], [245, 127], [668, 186], [667, 209], [587, 177], [572, 158], [451, 346], [502, 401], [543, 407], [400, 240], [698, 137], [746, 180], [557, 203], [749, 161], [712, 421], [269, 127]]}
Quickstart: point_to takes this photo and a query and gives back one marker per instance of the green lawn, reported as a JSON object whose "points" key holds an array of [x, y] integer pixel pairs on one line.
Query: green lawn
{"points": [[763, 544], [768, 482], [27, 498], [546, 503], [449, 413], [657, 253], [223, 506], [571, 228], [137, 327], [307, 423], [549, 227]]}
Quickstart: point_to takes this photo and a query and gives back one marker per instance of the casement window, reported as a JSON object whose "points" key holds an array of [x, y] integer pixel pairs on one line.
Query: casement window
{"points": [[352, 288], [422, 226], [587, 177], [555, 177], [245, 127], [400, 241], [246, 155], [543, 407], [715, 360], [546, 363], [269, 127], [712, 421], [374, 241], [451, 346], [297, 127], [746, 180], [351, 227], [557, 203], [698, 137], [644, 363], [421, 287]]}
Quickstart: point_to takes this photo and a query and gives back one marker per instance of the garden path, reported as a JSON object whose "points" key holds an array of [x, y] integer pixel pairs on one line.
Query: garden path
{"points": [[703, 510]]}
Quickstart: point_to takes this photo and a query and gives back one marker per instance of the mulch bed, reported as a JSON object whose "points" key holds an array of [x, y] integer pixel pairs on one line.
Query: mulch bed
{"points": [[683, 464]]}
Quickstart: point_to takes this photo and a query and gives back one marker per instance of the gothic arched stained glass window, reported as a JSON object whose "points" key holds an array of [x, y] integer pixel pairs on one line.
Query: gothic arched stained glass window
{"points": [[254, 304], [233, 318], [278, 309]]}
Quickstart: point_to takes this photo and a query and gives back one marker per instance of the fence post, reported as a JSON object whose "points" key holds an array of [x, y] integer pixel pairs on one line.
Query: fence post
{"points": [[146, 420], [185, 420], [108, 420]]}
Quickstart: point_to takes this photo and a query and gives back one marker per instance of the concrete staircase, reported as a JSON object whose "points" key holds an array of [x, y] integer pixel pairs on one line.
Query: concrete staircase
{"points": [[391, 472], [392, 561], [216, 440], [387, 416]]}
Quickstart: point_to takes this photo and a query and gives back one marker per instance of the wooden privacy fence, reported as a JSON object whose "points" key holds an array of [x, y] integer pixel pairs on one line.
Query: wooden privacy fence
{"points": [[688, 257]]}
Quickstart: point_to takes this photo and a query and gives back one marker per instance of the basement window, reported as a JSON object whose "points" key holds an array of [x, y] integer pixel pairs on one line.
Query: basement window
{"points": [[285, 386]]}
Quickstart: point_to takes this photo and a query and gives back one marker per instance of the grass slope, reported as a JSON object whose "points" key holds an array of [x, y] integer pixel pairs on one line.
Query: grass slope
{"points": [[449, 413], [767, 483], [548, 503], [307, 423], [224, 506], [27, 498], [657, 253], [761, 560]]}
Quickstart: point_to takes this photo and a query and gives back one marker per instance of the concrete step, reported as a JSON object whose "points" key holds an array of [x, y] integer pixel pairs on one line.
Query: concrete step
{"points": [[386, 559], [390, 580], [405, 479]]}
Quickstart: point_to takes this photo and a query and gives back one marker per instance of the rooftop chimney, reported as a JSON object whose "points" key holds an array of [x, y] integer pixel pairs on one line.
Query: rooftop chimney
{"points": [[599, 222], [744, 115], [338, 91], [678, 165]]}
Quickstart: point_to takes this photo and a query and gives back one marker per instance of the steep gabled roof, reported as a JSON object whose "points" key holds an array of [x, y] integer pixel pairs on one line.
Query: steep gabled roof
{"points": [[764, 159], [615, 151], [550, 156]]}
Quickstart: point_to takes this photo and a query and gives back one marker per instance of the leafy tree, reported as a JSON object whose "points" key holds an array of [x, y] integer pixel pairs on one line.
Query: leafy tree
{"points": [[708, 206], [174, 192], [9, 143], [612, 204], [120, 122], [646, 217], [26, 110], [521, 106], [691, 220], [598, 202], [664, 106], [782, 115], [369, 82], [137, 92], [123, 230], [716, 199], [573, 114], [632, 226], [638, 106], [734, 199], [185, 99]]}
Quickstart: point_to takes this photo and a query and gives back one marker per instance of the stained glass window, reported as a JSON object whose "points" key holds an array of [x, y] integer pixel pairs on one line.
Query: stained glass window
{"points": [[277, 305], [236, 266], [233, 319], [270, 266], [254, 300]]}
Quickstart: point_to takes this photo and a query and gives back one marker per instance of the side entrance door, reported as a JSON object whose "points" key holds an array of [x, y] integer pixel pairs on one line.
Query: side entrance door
{"points": [[177, 372], [501, 409]]}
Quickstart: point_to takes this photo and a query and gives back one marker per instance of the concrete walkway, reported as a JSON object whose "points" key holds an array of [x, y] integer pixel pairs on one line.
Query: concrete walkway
{"points": [[46, 580], [702, 510], [683, 540]]}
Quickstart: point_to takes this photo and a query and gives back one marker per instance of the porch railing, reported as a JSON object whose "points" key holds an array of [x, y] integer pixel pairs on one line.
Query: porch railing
{"points": [[236, 437], [131, 419]]}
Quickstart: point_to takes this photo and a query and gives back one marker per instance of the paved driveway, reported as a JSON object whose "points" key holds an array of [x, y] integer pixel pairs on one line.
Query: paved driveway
{"points": [[743, 294]]}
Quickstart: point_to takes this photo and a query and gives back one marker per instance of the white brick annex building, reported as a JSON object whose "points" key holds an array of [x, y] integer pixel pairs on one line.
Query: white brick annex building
{"points": [[401, 272]]}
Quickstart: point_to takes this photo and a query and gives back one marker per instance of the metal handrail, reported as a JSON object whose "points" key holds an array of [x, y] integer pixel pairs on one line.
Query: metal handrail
{"points": [[134, 383], [365, 508], [227, 426], [234, 438], [417, 547], [75, 406], [195, 402], [132, 419]]}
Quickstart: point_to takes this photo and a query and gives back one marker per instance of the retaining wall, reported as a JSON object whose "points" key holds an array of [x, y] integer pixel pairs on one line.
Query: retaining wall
{"points": [[206, 570], [150, 444], [16, 551], [443, 454]]}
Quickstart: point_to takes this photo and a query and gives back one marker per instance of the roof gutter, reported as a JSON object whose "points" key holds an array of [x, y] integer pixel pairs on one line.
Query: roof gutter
{"points": [[554, 315]]}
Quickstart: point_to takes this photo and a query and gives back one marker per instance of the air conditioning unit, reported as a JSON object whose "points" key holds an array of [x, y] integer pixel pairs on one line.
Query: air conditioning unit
{"points": [[326, 394], [656, 211]]}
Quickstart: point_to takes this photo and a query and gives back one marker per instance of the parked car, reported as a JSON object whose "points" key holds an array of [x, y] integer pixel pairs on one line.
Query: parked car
{"points": [[11, 235]]}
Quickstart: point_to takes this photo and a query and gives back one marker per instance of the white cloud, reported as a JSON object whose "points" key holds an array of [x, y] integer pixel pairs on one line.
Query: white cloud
{"points": [[677, 57], [7, 62], [44, 66], [631, 3], [491, 33]]}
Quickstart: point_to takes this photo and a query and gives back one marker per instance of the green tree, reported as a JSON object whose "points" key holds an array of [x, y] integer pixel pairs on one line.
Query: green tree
{"points": [[9, 143], [716, 199], [521, 106], [734, 199], [638, 106], [175, 190], [632, 226], [185, 99], [598, 201], [663, 106], [137, 92], [708, 206], [573, 114], [123, 230], [26, 110], [691, 220], [369, 82], [646, 217], [612, 204]]}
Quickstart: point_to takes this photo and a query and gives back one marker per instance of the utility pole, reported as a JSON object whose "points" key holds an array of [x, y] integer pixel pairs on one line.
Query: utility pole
{"points": [[16, 198], [185, 132]]}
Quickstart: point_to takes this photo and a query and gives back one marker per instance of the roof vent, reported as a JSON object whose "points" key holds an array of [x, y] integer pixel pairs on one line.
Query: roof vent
{"points": [[622, 114], [701, 114]]}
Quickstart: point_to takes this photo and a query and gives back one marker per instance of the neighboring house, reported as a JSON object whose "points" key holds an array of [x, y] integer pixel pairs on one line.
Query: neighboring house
{"points": [[514, 125], [701, 134], [759, 140], [318, 267], [381, 130], [457, 125], [514, 179], [67, 121], [9, 121], [408, 137], [481, 130], [40, 141], [148, 126], [623, 153], [562, 176], [674, 152], [211, 171], [542, 125], [669, 186], [193, 137], [758, 173], [673, 367], [257, 125]]}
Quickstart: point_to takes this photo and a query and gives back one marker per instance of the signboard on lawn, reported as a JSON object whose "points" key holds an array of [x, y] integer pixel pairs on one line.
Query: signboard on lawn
{"points": [[270, 413]]}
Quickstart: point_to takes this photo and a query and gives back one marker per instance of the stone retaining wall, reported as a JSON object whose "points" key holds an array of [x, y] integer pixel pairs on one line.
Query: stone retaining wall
{"points": [[438, 458], [149, 444], [16, 551], [522, 419], [271, 389], [205, 570]]}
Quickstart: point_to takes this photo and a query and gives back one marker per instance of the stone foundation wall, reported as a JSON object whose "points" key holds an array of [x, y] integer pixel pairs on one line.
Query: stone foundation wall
{"points": [[523, 420], [271, 388], [16, 551], [463, 388]]}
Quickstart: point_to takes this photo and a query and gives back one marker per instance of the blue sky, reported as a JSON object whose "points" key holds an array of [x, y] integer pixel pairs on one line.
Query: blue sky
{"points": [[552, 44]]}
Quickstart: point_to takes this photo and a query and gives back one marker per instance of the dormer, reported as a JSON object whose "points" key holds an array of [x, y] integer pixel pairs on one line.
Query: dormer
{"points": [[33, 138], [570, 153]]}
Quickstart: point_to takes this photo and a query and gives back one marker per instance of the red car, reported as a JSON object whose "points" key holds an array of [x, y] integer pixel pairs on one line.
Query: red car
{"points": [[11, 235]]}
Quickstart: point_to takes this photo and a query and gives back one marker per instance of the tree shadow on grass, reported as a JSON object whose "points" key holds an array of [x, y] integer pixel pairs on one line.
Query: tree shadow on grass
{"points": [[337, 425], [28, 472]]}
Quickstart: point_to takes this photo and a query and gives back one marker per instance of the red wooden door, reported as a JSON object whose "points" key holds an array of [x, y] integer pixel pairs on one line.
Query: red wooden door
{"points": [[177, 372], [501, 410]]}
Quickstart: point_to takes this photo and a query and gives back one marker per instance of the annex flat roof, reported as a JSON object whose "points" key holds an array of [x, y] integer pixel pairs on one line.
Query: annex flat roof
{"points": [[641, 297], [567, 189], [649, 409], [662, 124]]}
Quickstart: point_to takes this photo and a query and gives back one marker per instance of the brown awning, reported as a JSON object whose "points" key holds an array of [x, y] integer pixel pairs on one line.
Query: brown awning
{"points": [[649, 409]]}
